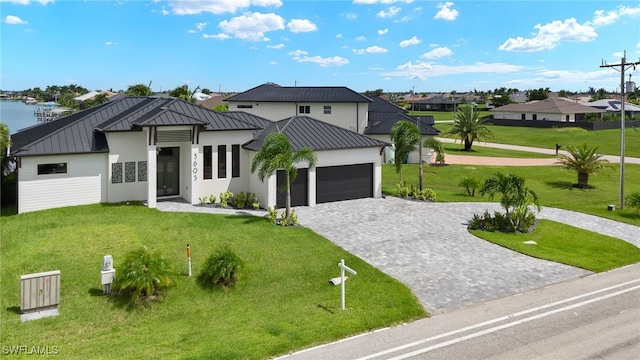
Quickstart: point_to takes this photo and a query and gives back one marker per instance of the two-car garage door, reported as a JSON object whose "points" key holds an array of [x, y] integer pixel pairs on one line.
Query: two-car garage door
{"points": [[333, 183]]}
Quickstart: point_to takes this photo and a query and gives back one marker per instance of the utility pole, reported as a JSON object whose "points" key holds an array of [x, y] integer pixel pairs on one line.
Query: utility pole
{"points": [[623, 65], [420, 154]]}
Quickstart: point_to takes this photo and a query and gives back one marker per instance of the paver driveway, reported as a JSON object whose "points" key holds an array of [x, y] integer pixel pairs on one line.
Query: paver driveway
{"points": [[427, 247]]}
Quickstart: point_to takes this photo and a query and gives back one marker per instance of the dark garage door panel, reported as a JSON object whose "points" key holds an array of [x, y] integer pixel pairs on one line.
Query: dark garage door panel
{"points": [[299, 189], [335, 183]]}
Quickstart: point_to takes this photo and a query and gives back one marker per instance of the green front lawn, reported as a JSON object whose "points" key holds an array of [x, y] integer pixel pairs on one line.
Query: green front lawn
{"points": [[282, 302], [457, 149], [607, 141], [554, 184], [568, 245]]}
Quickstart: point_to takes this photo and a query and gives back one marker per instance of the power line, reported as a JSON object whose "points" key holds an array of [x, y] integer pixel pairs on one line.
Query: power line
{"points": [[623, 65]]}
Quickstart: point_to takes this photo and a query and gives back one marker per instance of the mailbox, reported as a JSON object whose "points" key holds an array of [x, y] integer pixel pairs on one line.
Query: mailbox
{"points": [[108, 273]]}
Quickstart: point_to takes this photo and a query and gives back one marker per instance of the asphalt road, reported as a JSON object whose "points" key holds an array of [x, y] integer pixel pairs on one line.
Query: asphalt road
{"points": [[592, 317]]}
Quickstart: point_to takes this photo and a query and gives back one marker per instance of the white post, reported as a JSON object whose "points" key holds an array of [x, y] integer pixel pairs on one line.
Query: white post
{"points": [[343, 267], [189, 259]]}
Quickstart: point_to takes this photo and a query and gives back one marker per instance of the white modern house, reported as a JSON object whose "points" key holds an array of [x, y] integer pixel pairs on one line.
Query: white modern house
{"points": [[150, 148]]}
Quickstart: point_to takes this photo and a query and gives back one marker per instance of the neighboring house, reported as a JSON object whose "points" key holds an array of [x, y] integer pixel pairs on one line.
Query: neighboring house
{"points": [[437, 103], [338, 105], [213, 101], [613, 105], [383, 115], [149, 148], [551, 109]]}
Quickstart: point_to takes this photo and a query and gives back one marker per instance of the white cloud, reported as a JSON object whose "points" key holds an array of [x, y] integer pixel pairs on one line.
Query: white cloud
{"points": [[191, 31], [602, 18], [383, 31], [303, 56], [252, 26], [413, 41], [190, 7], [201, 25], [350, 16], [446, 12], [220, 36], [361, 38], [371, 50], [619, 54], [27, 2], [109, 43], [338, 36], [549, 35], [422, 70], [638, 45], [279, 46], [301, 25], [391, 12], [14, 20], [437, 53]]}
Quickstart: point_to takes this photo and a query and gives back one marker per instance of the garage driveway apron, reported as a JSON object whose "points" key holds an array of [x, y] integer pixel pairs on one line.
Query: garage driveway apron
{"points": [[427, 246]]}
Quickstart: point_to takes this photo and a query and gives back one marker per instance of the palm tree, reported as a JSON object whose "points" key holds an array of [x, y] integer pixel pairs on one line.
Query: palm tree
{"points": [[139, 90], [469, 126], [183, 92], [406, 138], [584, 160], [275, 154], [5, 143], [515, 200], [436, 146]]}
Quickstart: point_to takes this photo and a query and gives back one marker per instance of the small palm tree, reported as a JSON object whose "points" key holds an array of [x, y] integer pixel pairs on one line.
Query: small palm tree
{"points": [[142, 276], [406, 138], [515, 200], [633, 201], [584, 160], [275, 154], [469, 127], [436, 146]]}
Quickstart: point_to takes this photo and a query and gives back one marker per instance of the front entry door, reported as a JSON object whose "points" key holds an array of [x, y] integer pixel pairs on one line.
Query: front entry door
{"points": [[168, 171]]}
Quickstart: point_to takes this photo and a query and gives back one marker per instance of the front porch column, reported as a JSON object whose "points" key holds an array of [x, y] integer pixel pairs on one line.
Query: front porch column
{"points": [[311, 186], [195, 175], [152, 176]]}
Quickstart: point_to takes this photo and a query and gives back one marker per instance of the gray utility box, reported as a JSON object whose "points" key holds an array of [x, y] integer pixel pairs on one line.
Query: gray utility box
{"points": [[40, 294]]}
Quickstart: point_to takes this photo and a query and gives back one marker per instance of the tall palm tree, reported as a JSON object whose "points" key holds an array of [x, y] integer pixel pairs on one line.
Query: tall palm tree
{"points": [[406, 138], [436, 146], [139, 90], [584, 160], [275, 154], [469, 126]]}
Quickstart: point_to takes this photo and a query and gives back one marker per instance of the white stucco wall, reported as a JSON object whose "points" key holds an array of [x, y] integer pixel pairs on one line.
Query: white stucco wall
{"points": [[352, 116], [215, 186], [529, 116], [84, 183], [127, 147], [413, 156]]}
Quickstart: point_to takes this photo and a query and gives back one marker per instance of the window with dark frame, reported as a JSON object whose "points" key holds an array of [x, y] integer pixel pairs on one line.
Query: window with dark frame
{"points": [[304, 109], [47, 169], [235, 161], [523, 117], [327, 109], [207, 162], [535, 116], [245, 106], [222, 161]]}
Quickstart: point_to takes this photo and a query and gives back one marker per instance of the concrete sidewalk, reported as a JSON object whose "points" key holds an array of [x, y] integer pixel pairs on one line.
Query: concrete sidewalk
{"points": [[610, 158]]}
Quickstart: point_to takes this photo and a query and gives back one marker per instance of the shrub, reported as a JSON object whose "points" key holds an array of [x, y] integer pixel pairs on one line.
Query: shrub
{"points": [[221, 268], [212, 199], [428, 194], [470, 184], [240, 200], [253, 201], [203, 201], [142, 276], [402, 190], [273, 215], [226, 199], [633, 201]]}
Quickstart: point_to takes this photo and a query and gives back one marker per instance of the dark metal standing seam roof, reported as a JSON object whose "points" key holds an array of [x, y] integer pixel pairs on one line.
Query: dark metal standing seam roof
{"points": [[84, 132], [382, 123], [304, 131], [379, 104], [273, 93]]}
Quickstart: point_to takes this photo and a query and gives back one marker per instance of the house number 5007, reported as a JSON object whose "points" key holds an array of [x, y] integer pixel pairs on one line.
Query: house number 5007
{"points": [[195, 167]]}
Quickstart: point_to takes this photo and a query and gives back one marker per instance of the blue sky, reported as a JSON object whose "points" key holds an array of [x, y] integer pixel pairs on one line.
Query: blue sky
{"points": [[394, 45]]}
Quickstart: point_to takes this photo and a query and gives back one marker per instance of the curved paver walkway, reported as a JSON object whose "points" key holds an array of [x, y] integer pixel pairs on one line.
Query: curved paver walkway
{"points": [[427, 246]]}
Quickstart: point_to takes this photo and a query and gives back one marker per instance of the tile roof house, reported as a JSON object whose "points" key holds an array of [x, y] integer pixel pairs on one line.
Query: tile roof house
{"points": [[146, 148], [615, 105], [337, 105], [383, 115], [550, 109]]}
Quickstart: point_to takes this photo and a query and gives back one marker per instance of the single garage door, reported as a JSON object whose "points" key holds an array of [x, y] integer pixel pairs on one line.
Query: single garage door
{"points": [[335, 183], [299, 189]]}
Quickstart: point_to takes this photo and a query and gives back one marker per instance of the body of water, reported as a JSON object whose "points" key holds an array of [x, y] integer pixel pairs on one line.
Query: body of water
{"points": [[17, 115]]}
